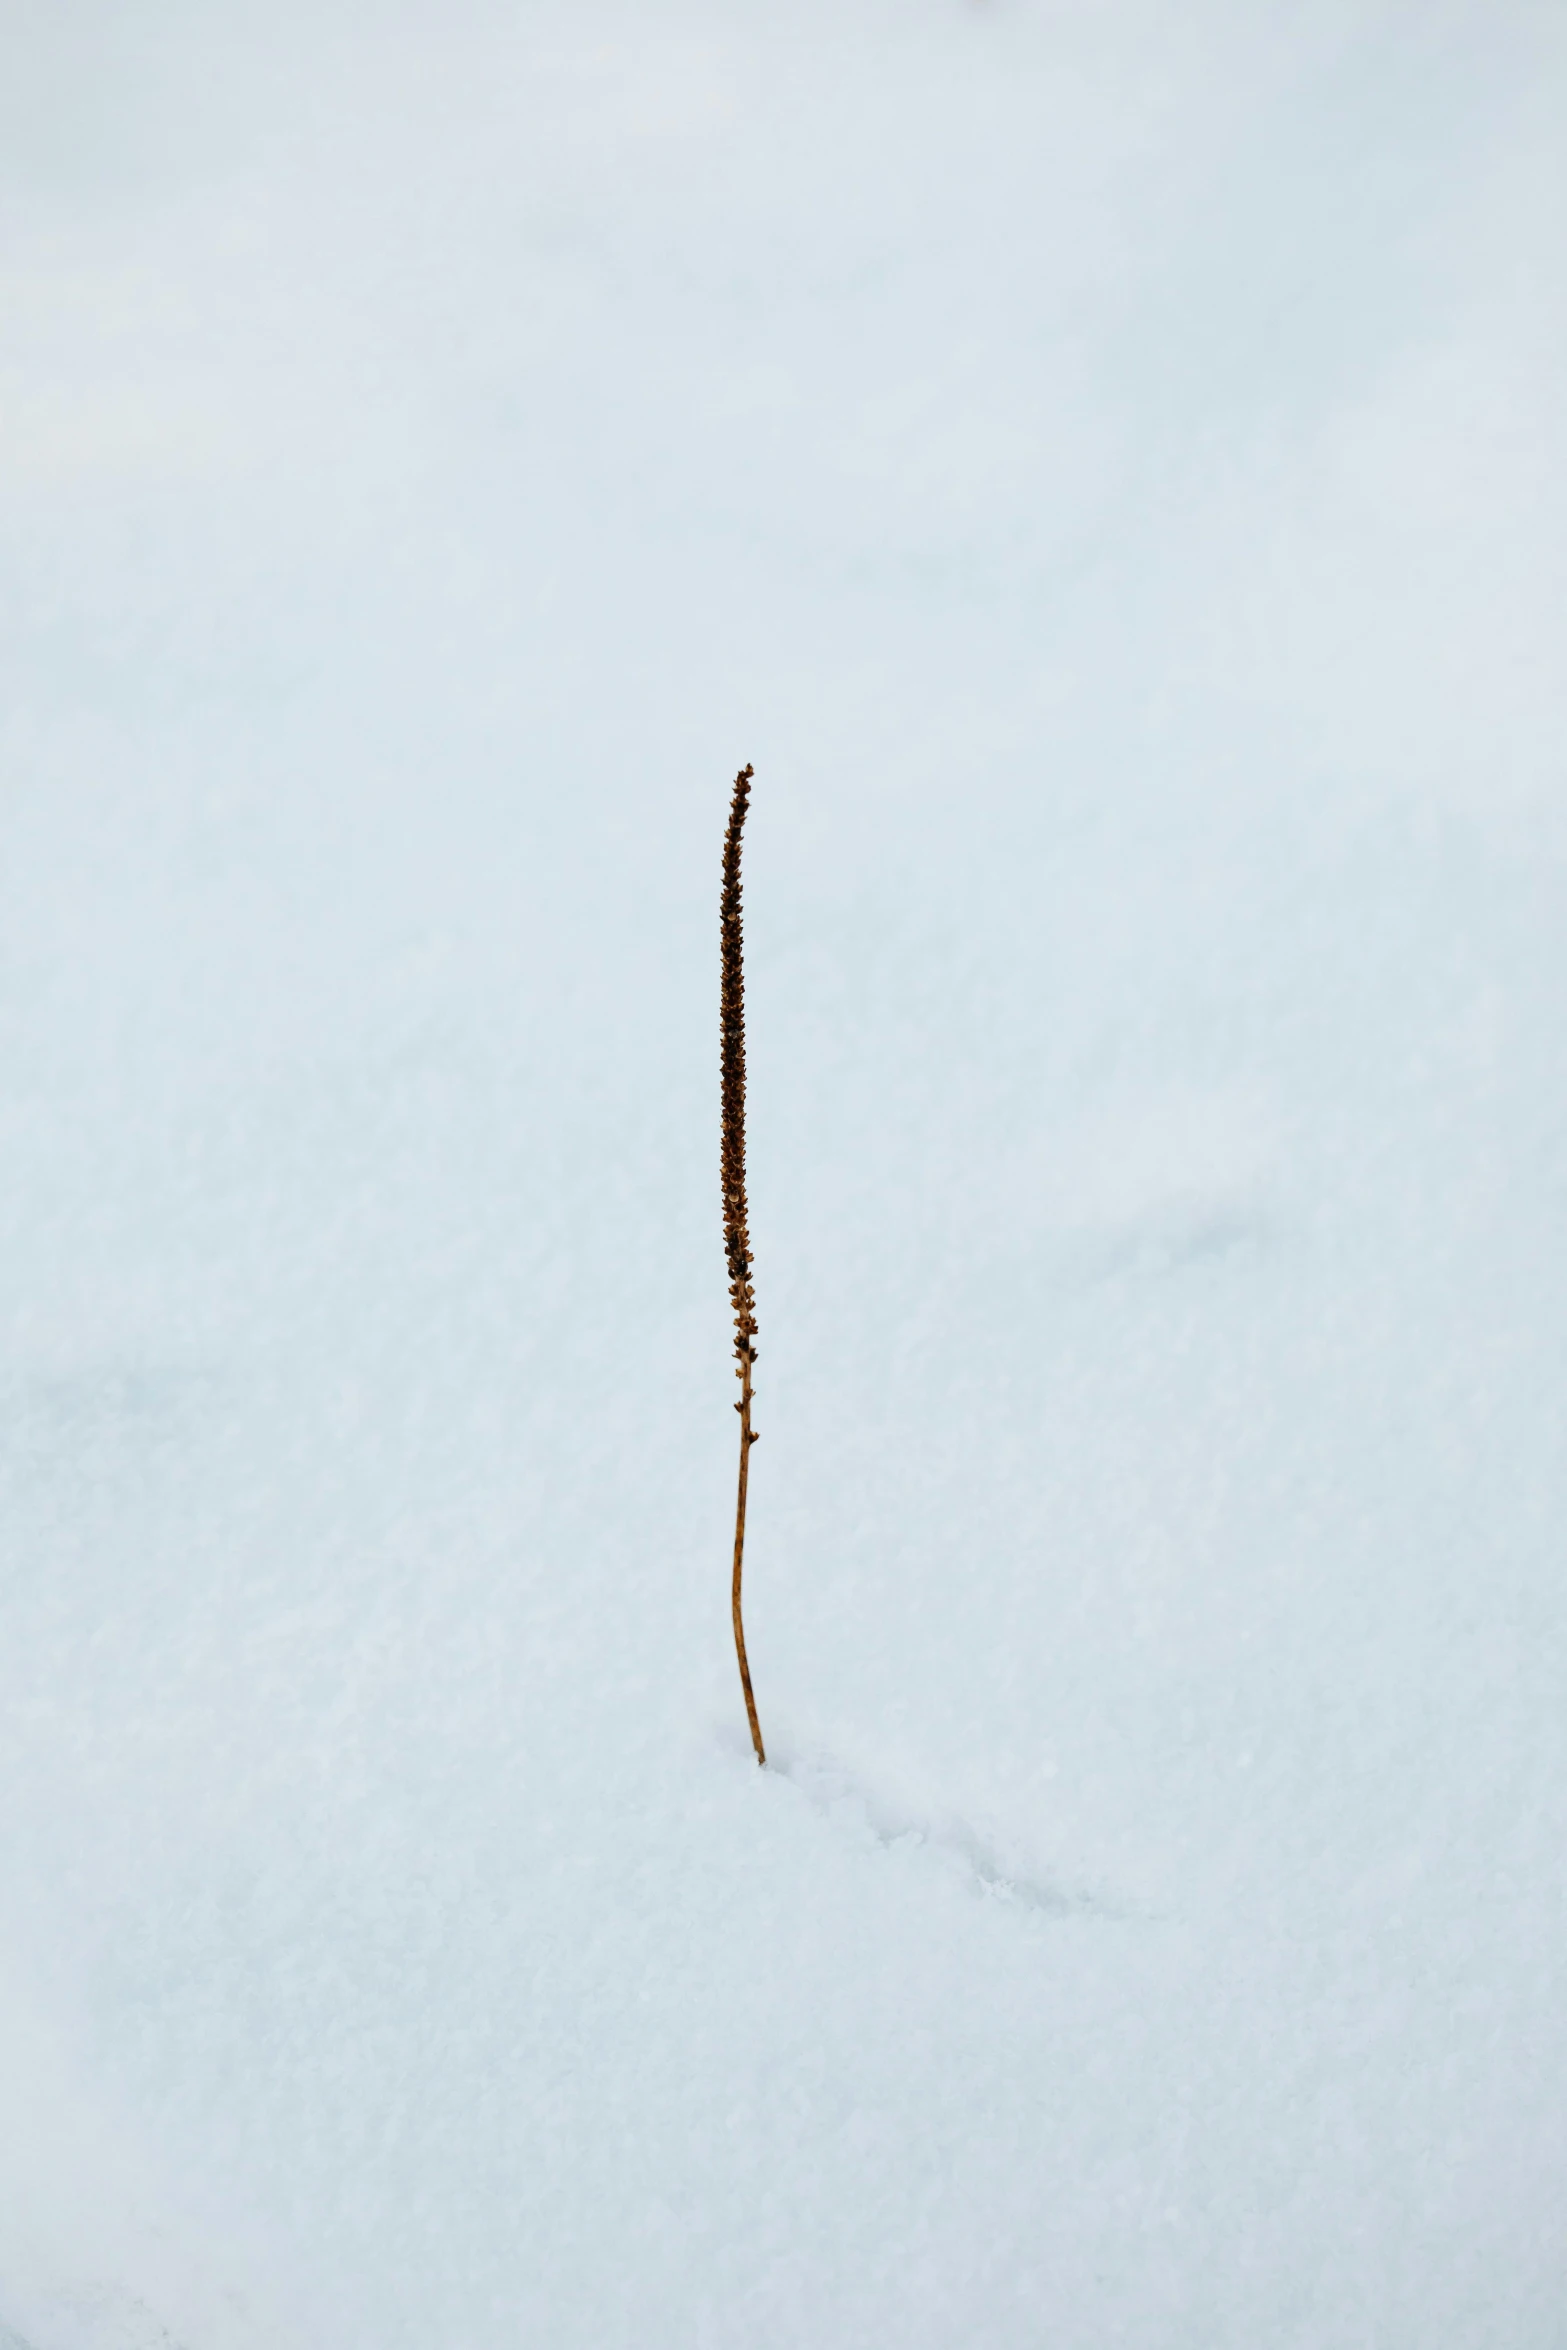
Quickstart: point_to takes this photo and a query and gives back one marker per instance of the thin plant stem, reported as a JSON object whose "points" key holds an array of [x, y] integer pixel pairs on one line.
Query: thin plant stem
{"points": [[737, 1237]]}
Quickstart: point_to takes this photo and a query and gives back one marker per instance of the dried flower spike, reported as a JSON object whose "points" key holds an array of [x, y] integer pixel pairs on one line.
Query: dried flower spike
{"points": [[737, 1237]]}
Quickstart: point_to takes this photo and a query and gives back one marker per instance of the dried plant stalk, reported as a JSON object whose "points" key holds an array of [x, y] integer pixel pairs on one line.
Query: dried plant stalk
{"points": [[737, 1237]]}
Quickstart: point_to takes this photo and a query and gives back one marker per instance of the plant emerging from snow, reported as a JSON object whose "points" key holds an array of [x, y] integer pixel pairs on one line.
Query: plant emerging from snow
{"points": [[737, 1237]]}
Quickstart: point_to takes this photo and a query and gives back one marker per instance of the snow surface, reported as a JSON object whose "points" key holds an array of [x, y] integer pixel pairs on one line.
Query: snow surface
{"points": [[1104, 464]]}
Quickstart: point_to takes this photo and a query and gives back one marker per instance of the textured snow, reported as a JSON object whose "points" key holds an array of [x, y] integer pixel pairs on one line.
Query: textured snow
{"points": [[1104, 465]]}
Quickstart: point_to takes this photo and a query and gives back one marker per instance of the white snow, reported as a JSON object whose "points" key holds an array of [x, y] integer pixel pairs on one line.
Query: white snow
{"points": [[1104, 465]]}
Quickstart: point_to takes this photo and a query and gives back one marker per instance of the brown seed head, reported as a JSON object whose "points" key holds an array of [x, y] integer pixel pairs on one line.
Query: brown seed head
{"points": [[737, 1238]]}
